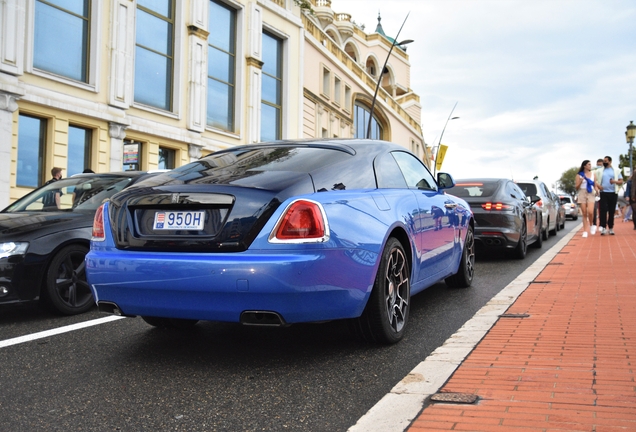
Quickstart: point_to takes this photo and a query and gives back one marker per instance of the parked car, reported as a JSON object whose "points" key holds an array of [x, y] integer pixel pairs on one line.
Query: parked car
{"points": [[282, 233], [504, 217], [570, 207], [547, 205], [560, 212], [42, 249]]}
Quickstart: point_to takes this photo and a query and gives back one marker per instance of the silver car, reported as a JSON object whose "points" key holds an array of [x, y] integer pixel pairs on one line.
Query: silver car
{"points": [[571, 209], [548, 205]]}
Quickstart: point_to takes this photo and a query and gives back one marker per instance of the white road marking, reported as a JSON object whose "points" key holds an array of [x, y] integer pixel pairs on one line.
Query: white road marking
{"points": [[396, 410], [56, 331]]}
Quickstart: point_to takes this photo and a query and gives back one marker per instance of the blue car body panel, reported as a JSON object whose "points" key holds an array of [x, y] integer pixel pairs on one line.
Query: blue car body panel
{"points": [[301, 282]]}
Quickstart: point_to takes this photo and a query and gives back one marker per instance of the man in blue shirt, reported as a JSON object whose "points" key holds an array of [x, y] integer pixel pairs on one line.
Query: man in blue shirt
{"points": [[610, 180]]}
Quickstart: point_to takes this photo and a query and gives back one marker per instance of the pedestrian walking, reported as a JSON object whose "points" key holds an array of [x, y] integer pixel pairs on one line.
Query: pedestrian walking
{"points": [[586, 187], [610, 181], [632, 197], [626, 194], [599, 166]]}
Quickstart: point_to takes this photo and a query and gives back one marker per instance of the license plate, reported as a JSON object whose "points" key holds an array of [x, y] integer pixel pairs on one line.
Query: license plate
{"points": [[179, 220]]}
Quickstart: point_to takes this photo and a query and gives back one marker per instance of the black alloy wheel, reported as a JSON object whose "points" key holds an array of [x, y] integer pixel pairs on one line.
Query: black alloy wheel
{"points": [[522, 246], [466, 272], [65, 289], [386, 315]]}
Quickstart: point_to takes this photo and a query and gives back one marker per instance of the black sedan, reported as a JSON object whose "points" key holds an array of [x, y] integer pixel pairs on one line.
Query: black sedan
{"points": [[504, 217], [42, 246]]}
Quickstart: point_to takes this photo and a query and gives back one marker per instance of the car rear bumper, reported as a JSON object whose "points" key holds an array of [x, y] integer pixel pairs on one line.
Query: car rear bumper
{"points": [[303, 286], [496, 239]]}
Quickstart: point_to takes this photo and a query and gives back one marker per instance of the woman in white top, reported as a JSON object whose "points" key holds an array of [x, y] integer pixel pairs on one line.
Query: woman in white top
{"points": [[586, 187]]}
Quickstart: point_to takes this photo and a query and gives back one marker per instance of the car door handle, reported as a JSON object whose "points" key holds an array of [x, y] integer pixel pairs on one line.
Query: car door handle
{"points": [[450, 205]]}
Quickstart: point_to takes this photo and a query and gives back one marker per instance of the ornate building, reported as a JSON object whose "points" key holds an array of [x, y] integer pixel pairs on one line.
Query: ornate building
{"points": [[113, 85]]}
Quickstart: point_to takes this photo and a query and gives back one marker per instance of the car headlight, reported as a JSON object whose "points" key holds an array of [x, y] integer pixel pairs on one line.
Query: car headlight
{"points": [[13, 248]]}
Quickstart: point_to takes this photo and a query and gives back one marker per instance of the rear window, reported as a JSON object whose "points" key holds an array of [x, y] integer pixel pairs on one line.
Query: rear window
{"points": [[471, 189], [565, 200], [528, 188], [261, 167]]}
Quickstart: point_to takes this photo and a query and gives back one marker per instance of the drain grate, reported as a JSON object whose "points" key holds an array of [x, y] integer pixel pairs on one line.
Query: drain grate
{"points": [[555, 263], [543, 282], [514, 315], [462, 398]]}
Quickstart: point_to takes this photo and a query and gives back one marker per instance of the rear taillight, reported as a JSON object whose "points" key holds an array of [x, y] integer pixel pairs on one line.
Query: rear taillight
{"points": [[303, 221], [539, 203], [495, 206], [98, 225]]}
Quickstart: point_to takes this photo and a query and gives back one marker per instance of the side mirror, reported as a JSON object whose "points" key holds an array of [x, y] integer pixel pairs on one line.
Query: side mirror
{"points": [[534, 199], [445, 181]]}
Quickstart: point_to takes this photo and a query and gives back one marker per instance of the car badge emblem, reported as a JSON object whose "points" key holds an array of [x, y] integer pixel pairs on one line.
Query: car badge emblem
{"points": [[175, 198]]}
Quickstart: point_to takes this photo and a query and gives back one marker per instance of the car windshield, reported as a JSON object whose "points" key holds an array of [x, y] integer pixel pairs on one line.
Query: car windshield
{"points": [[83, 193], [528, 188], [470, 189]]}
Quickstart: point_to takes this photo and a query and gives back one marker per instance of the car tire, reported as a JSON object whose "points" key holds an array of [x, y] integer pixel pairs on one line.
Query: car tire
{"points": [[546, 231], [386, 314], [174, 323], [65, 289], [556, 227], [466, 272], [539, 241], [522, 246]]}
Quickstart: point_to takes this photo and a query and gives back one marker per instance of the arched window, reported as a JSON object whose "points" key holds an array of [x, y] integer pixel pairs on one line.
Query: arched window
{"points": [[361, 122], [372, 67], [351, 51]]}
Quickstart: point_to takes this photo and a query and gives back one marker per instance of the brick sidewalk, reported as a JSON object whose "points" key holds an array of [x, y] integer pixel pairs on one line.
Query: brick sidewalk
{"points": [[566, 366]]}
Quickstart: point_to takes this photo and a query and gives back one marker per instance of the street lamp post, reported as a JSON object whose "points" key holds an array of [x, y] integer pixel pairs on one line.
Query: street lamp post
{"points": [[442, 134], [629, 136], [381, 72]]}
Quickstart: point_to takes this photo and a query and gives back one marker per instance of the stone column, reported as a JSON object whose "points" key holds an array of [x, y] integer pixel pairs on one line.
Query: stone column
{"points": [[8, 105], [254, 73], [117, 133], [198, 33], [122, 49], [194, 151]]}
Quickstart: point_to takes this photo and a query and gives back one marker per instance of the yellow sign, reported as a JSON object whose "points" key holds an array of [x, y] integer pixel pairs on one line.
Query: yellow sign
{"points": [[441, 152]]}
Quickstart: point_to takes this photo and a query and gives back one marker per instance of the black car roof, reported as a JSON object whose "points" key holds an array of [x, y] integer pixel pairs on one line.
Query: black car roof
{"points": [[351, 146]]}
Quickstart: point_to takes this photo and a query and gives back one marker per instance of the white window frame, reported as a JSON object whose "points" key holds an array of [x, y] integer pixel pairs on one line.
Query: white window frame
{"points": [[325, 81], [180, 36], [286, 72], [94, 53], [239, 87]]}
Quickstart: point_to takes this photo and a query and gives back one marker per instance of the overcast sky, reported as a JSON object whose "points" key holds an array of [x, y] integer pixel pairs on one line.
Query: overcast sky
{"points": [[540, 85]]}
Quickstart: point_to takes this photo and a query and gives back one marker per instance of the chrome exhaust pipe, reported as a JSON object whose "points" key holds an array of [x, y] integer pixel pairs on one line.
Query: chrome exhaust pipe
{"points": [[109, 308], [262, 318]]}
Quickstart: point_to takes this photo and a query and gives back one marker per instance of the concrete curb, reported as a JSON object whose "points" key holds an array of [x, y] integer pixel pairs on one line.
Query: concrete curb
{"points": [[396, 410]]}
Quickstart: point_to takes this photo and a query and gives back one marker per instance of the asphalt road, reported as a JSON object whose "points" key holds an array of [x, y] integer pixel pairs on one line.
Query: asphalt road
{"points": [[125, 375]]}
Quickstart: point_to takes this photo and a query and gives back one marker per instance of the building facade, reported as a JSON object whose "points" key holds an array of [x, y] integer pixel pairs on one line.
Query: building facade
{"points": [[113, 85], [342, 67]]}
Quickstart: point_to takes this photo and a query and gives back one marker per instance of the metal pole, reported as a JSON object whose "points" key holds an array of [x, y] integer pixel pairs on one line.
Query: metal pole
{"points": [[630, 158], [440, 137], [377, 86]]}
